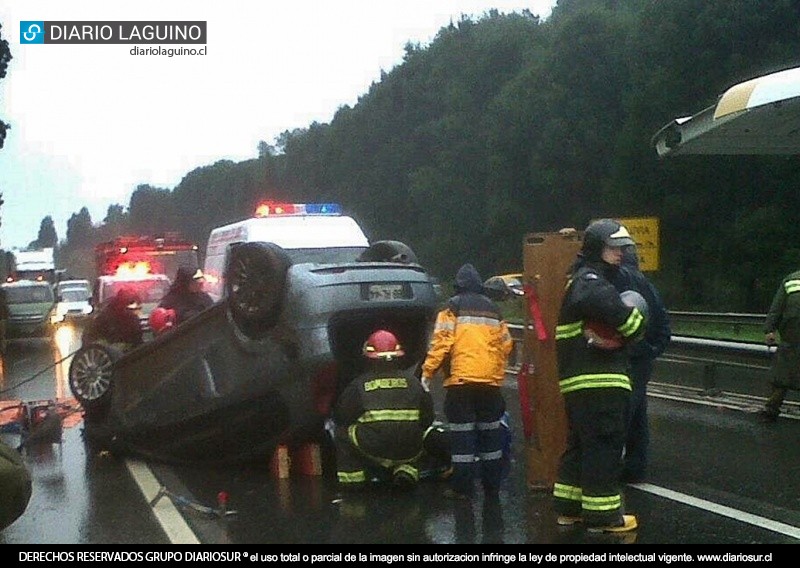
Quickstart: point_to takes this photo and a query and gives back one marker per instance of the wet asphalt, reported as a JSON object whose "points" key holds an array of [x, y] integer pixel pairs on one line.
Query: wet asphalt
{"points": [[717, 477]]}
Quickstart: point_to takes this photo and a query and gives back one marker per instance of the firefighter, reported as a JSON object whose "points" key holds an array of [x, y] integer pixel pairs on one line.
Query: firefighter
{"points": [[594, 380], [471, 345], [382, 418], [118, 321], [186, 296]]}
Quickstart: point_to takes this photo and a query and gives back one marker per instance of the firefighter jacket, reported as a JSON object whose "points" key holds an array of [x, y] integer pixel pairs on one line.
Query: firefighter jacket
{"points": [[470, 341], [386, 414], [591, 297], [114, 323], [186, 303]]}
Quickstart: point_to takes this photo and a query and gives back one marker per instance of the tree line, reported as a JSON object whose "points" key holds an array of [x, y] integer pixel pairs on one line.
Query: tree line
{"points": [[507, 124]]}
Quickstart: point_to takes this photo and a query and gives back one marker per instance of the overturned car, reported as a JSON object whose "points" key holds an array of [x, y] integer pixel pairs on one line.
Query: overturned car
{"points": [[298, 289]]}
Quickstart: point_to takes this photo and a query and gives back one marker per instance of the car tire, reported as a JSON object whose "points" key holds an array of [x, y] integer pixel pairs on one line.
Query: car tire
{"points": [[255, 282], [91, 375]]}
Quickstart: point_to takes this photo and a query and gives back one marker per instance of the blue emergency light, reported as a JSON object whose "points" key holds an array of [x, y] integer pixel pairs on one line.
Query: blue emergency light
{"points": [[275, 209]]}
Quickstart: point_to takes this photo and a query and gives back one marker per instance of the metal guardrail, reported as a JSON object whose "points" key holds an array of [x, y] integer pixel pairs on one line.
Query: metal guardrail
{"points": [[710, 353], [727, 318]]}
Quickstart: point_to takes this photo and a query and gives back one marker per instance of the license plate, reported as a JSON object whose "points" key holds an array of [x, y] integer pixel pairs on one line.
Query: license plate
{"points": [[383, 292]]}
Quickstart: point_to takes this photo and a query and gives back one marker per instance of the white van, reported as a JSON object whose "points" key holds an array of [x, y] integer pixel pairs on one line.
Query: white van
{"points": [[308, 233]]}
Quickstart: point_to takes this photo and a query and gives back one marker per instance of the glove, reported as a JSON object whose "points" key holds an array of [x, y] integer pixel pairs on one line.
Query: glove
{"points": [[426, 384]]}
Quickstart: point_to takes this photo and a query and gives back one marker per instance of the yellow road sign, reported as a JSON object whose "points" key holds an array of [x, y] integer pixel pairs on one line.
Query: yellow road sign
{"points": [[644, 230]]}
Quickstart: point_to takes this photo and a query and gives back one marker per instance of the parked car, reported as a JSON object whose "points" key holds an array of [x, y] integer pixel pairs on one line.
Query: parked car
{"points": [[504, 286]]}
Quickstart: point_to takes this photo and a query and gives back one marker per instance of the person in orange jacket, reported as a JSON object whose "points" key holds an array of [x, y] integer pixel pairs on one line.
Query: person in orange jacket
{"points": [[471, 345]]}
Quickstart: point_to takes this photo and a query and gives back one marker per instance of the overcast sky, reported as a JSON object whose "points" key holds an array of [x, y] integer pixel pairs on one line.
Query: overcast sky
{"points": [[91, 122]]}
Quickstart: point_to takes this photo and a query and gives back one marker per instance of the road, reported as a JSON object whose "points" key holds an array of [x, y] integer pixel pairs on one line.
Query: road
{"points": [[717, 476]]}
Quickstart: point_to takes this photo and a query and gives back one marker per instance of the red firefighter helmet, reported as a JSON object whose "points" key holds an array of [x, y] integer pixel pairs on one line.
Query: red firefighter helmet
{"points": [[161, 319], [382, 344], [602, 336]]}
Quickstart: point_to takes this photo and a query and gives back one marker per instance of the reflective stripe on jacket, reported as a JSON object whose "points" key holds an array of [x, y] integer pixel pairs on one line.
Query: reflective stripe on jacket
{"points": [[590, 296], [470, 343]]}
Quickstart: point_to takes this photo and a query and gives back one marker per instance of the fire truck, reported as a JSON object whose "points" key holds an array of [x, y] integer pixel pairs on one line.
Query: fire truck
{"points": [[145, 254], [146, 264]]}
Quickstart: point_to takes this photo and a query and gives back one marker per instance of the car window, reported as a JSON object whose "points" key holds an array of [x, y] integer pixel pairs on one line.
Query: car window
{"points": [[29, 295], [74, 295], [333, 255]]}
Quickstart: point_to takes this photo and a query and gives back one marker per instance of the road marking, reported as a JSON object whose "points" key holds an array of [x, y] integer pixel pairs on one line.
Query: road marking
{"points": [[170, 519], [736, 514]]}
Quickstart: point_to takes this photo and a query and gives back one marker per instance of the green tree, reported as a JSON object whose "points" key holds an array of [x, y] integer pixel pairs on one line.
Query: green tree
{"points": [[47, 234], [5, 58], [80, 231]]}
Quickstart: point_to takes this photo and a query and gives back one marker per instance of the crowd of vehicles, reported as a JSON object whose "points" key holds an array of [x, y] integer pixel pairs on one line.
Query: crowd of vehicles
{"points": [[298, 289]]}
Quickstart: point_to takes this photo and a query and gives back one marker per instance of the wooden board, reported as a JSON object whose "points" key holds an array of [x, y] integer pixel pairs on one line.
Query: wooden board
{"points": [[547, 259]]}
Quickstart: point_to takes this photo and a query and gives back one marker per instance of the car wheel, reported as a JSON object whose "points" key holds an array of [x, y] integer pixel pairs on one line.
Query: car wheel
{"points": [[91, 375], [255, 280]]}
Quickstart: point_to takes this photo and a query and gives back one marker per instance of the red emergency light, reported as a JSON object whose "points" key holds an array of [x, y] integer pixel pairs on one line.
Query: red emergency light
{"points": [[133, 269]]}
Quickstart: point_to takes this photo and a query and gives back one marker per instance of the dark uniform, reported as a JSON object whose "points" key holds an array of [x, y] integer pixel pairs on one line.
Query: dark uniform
{"points": [[784, 317], [116, 322], [381, 420], [595, 385], [185, 296], [15, 485], [642, 355]]}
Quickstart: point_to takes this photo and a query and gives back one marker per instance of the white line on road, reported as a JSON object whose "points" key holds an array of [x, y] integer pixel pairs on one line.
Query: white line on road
{"points": [[749, 518], [168, 516]]}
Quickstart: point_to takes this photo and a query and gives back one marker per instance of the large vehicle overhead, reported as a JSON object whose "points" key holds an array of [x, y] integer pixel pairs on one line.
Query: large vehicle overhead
{"points": [[299, 289], [759, 116], [36, 265]]}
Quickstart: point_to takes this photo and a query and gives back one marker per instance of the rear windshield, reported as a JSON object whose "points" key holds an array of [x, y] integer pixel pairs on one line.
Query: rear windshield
{"points": [[29, 295], [74, 295], [325, 255]]}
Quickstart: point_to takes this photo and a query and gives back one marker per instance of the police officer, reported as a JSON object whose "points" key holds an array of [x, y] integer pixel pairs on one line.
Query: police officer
{"points": [[381, 418], [594, 381]]}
